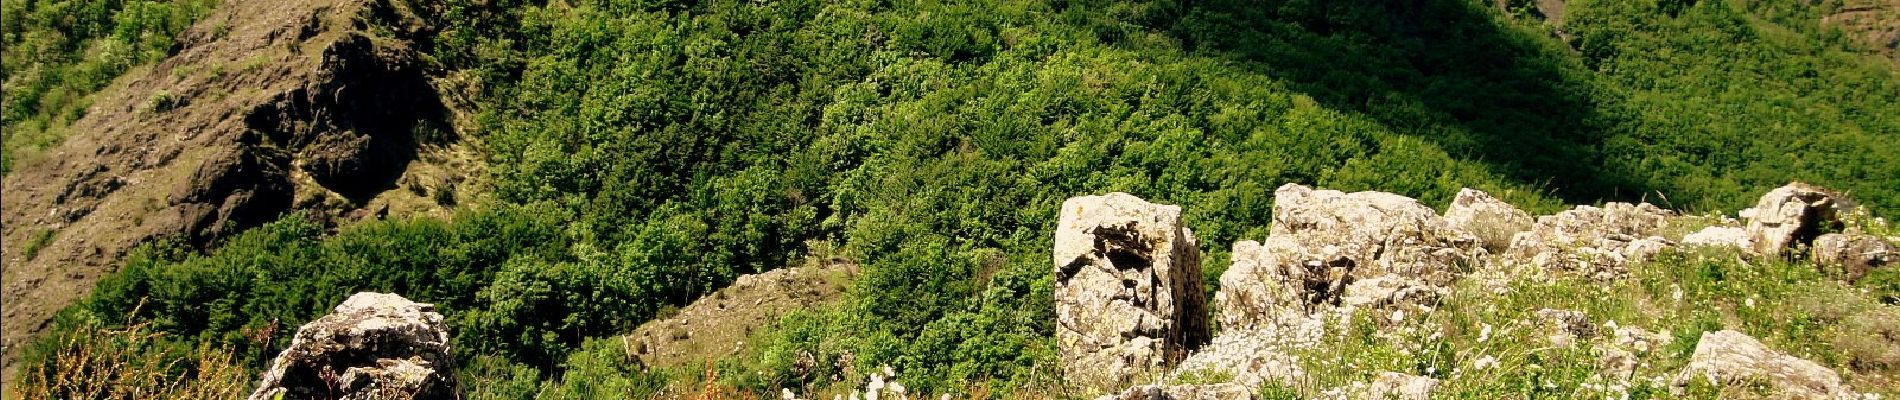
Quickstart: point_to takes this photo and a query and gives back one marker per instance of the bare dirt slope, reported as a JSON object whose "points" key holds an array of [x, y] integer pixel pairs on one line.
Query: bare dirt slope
{"points": [[1875, 24], [264, 107], [718, 325]]}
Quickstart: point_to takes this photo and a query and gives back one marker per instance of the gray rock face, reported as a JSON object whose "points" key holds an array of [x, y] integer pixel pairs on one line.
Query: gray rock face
{"points": [[1791, 215], [1592, 241], [1381, 232], [1853, 255], [1330, 248], [375, 346], [1128, 293], [1727, 356], [1493, 221]]}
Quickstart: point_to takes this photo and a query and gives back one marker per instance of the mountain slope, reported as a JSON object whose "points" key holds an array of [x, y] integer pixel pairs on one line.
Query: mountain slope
{"points": [[644, 154], [262, 109]]}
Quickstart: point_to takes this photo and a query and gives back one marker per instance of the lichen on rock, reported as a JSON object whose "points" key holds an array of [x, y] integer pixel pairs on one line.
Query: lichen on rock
{"points": [[1128, 293], [374, 346]]}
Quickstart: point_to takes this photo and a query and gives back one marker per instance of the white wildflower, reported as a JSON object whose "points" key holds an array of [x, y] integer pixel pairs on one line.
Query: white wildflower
{"points": [[1398, 315], [1485, 362], [1484, 334], [1750, 302], [786, 394], [1676, 292]]}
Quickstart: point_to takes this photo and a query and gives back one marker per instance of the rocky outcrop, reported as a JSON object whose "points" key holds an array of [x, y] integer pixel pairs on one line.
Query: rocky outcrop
{"points": [[1330, 248], [374, 346], [261, 108], [1493, 221], [1128, 291], [1382, 233], [1725, 357], [1599, 242], [1852, 256], [1792, 215]]}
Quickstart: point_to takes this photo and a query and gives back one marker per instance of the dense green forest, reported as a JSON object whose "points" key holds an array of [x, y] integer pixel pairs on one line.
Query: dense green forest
{"points": [[644, 153]]}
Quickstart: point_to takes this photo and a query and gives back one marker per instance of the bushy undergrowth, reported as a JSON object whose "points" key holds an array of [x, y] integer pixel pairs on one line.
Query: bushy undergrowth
{"points": [[134, 362]]}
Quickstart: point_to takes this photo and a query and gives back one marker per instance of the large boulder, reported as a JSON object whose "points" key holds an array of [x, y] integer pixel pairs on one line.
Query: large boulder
{"points": [[1128, 294], [375, 346], [1792, 215], [1329, 248], [1493, 221], [1279, 280], [1853, 255], [1726, 357], [1381, 232]]}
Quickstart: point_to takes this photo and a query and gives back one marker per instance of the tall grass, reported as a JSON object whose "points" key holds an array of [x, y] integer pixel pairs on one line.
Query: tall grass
{"points": [[134, 362]]}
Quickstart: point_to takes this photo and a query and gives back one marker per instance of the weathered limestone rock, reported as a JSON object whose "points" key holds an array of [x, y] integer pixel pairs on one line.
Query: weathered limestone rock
{"points": [[1382, 233], [1791, 215], [1397, 386], [1493, 221], [1323, 242], [1727, 356], [1279, 280], [1853, 255], [1253, 357], [1128, 290], [375, 346], [1596, 242], [1218, 391], [1718, 236]]}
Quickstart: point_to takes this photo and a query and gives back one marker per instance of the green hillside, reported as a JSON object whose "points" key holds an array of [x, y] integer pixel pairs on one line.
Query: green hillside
{"points": [[645, 153]]}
